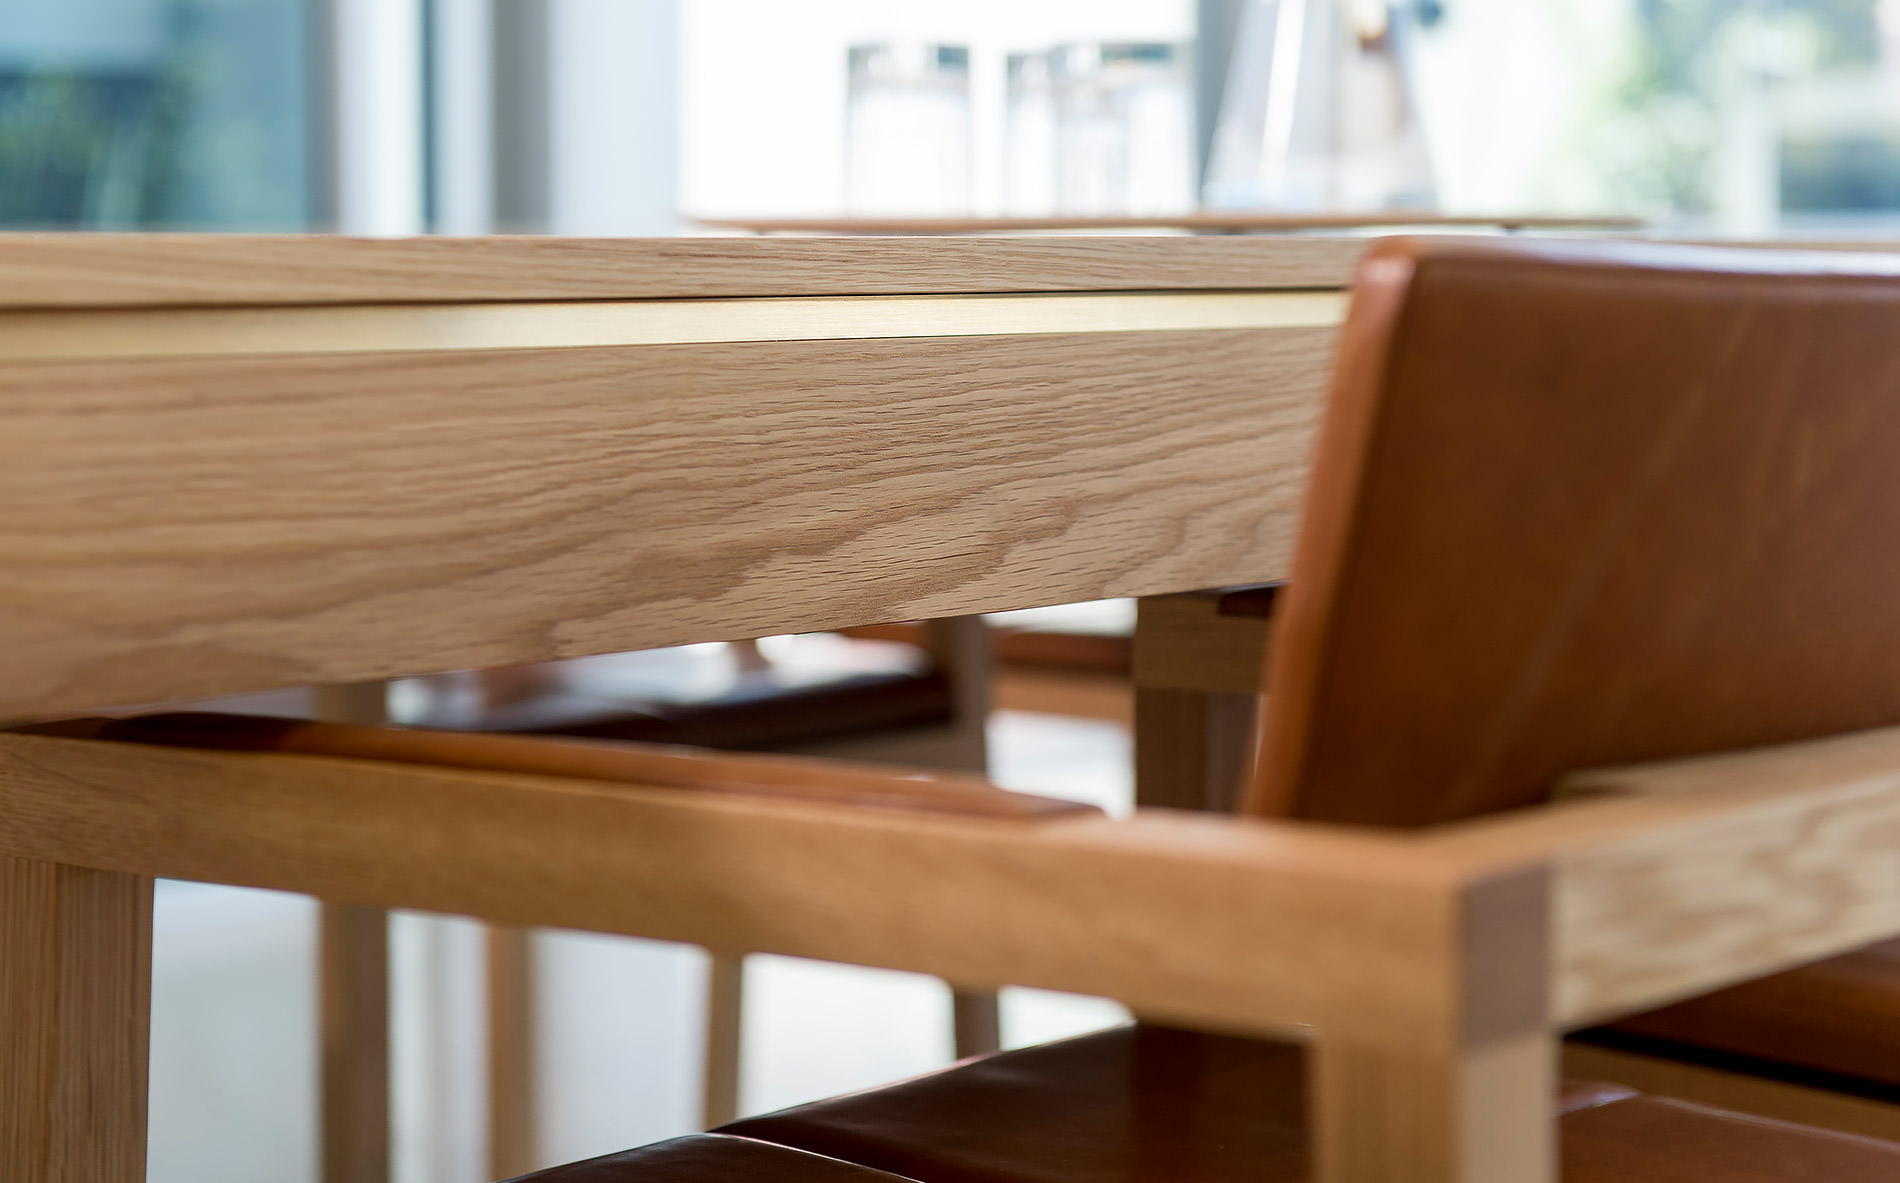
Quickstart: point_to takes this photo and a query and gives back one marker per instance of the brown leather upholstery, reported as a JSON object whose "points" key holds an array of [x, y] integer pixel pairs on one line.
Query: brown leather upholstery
{"points": [[1654, 1140], [1840, 1016], [710, 1158], [1147, 1104], [745, 716], [1131, 1103], [1577, 506], [652, 766]]}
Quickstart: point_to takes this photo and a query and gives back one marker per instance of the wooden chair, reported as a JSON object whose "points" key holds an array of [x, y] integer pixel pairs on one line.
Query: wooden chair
{"points": [[1430, 971], [1563, 516]]}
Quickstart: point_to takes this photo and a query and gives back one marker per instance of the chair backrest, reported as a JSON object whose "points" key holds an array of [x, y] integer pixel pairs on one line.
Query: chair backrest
{"points": [[1578, 505], [232, 464]]}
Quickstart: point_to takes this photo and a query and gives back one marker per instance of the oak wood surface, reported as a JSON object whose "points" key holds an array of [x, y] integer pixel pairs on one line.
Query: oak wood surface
{"points": [[160, 270], [1476, 1110], [1665, 880], [1391, 1112], [1677, 878], [189, 528], [1733, 867], [1312, 927], [75, 1000]]}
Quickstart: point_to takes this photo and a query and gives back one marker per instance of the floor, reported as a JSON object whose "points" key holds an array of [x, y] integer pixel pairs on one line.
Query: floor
{"points": [[233, 1045]]}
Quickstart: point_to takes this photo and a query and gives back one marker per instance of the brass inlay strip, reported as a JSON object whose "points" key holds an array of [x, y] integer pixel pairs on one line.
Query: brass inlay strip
{"points": [[191, 332]]}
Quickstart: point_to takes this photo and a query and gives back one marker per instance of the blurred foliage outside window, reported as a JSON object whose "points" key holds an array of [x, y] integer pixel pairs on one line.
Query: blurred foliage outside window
{"points": [[150, 114], [1754, 114]]}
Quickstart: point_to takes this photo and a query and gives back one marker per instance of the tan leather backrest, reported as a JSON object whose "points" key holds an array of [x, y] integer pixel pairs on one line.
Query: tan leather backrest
{"points": [[1575, 506]]}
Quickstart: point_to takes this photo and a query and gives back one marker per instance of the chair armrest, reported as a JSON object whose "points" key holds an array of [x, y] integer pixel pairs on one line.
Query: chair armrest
{"points": [[1674, 879], [1662, 881], [1228, 923]]}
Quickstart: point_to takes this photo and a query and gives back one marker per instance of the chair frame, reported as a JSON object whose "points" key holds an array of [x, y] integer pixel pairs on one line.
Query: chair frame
{"points": [[1419, 960]]}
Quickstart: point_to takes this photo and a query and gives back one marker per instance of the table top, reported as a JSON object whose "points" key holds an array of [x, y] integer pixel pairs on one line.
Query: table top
{"points": [[1203, 222]]}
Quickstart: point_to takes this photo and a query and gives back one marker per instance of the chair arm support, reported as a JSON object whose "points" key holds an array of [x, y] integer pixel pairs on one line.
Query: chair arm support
{"points": [[1227, 923], [1663, 881], [1674, 879]]}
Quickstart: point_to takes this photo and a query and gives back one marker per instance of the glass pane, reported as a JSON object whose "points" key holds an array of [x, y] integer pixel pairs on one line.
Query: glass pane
{"points": [[147, 114]]}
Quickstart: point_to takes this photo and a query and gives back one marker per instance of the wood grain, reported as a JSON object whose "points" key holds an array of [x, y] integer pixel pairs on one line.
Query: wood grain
{"points": [[1471, 1109], [1392, 1114], [1683, 877], [1312, 926], [75, 1003], [192, 528], [171, 270]]}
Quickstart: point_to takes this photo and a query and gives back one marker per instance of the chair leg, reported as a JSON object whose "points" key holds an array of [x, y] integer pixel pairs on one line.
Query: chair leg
{"points": [[353, 963], [725, 1012], [1407, 1115], [962, 647], [75, 1022], [976, 1017], [512, 1141], [353, 1000]]}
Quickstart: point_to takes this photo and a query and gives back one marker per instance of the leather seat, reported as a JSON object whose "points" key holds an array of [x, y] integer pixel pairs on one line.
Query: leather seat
{"points": [[710, 1158], [1839, 1017], [1147, 1104]]}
